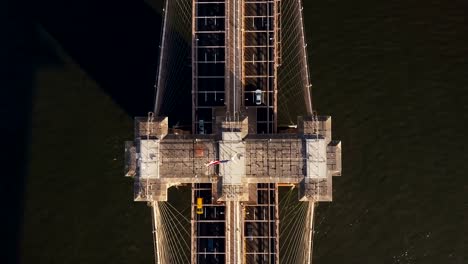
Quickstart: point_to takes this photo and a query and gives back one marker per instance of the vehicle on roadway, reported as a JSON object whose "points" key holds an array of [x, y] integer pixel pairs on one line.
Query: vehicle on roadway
{"points": [[258, 97], [201, 126], [210, 245], [199, 206], [250, 231]]}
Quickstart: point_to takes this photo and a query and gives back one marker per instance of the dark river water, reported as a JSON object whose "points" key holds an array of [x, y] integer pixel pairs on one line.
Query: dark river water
{"points": [[393, 74]]}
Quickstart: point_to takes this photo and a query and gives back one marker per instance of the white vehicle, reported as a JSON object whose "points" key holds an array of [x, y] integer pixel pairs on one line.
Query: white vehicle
{"points": [[258, 97]]}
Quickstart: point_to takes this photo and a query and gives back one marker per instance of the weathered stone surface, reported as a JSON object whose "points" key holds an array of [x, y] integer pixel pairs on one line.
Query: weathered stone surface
{"points": [[268, 158]]}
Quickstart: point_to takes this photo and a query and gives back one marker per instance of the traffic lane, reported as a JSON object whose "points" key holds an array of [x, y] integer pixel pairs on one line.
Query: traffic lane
{"points": [[212, 213], [211, 258]]}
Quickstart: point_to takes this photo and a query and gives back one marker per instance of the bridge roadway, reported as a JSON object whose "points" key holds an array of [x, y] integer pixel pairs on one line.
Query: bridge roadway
{"points": [[208, 228], [255, 226]]}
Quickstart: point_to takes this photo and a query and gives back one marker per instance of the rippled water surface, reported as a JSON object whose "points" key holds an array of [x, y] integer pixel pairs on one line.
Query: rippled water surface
{"points": [[393, 74]]}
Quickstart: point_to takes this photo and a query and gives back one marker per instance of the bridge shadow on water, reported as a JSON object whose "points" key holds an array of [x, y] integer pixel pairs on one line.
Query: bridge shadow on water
{"points": [[117, 45], [114, 44]]}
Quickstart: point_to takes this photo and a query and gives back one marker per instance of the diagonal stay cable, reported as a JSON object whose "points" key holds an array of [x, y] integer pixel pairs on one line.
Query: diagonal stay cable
{"points": [[175, 237], [174, 240]]}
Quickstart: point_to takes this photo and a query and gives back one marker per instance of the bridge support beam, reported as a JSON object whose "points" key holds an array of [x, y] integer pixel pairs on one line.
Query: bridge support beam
{"points": [[156, 237], [234, 231], [310, 229]]}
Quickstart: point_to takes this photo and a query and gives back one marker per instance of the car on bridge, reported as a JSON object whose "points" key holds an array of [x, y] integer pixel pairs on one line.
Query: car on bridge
{"points": [[250, 231], [258, 97], [199, 206], [201, 127]]}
